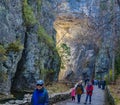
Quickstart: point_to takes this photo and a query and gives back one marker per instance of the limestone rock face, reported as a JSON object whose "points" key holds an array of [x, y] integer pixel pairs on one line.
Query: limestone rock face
{"points": [[85, 27], [11, 29], [40, 59], [74, 31], [26, 55], [73, 25], [32, 31]]}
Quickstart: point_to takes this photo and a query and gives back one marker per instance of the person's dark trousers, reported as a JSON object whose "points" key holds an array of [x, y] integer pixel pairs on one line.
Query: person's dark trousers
{"points": [[78, 97], [88, 96], [99, 86], [73, 98], [103, 87]]}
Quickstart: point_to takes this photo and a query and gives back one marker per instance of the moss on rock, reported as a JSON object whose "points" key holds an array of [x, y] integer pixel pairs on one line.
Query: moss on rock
{"points": [[2, 53], [43, 36], [28, 14], [15, 46]]}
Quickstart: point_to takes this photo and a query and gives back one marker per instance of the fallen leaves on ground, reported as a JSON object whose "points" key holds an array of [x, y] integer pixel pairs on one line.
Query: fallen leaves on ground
{"points": [[57, 88], [115, 90]]}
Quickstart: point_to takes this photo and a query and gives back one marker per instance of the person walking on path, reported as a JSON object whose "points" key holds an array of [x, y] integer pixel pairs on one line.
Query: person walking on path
{"points": [[73, 93], [79, 91], [86, 81], [40, 94], [99, 84], [89, 91], [98, 98], [103, 84]]}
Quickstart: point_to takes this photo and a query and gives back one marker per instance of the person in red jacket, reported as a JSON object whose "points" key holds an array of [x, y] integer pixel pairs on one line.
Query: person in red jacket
{"points": [[89, 91]]}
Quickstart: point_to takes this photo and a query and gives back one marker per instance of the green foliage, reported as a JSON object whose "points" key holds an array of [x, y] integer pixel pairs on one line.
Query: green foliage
{"points": [[65, 48], [117, 100], [97, 77], [117, 69], [43, 73], [44, 37], [103, 5], [117, 59], [15, 46], [2, 53], [110, 74], [28, 14], [64, 52], [39, 3], [117, 65], [108, 77], [3, 76], [2, 50], [50, 74], [47, 73], [111, 5]]}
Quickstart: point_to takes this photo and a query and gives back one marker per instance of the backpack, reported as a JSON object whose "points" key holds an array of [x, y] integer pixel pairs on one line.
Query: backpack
{"points": [[79, 90]]}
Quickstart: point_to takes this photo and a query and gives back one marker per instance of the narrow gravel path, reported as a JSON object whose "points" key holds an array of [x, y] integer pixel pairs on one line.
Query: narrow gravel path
{"points": [[98, 98]]}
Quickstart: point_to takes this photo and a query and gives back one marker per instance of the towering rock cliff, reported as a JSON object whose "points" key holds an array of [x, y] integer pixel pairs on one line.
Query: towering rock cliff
{"points": [[35, 34], [86, 26], [27, 52], [89, 28], [11, 32]]}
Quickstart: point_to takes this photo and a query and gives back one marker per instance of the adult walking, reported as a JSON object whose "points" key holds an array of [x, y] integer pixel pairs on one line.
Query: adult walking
{"points": [[86, 81], [99, 84], [103, 84], [89, 91], [79, 91], [40, 94]]}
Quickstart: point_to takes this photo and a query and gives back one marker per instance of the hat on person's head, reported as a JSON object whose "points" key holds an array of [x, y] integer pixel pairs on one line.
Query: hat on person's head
{"points": [[40, 82]]}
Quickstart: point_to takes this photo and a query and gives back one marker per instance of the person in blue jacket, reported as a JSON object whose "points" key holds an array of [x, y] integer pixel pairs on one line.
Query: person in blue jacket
{"points": [[40, 94]]}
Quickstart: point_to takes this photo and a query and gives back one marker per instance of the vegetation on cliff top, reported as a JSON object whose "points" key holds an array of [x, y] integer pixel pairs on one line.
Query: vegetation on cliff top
{"points": [[28, 14]]}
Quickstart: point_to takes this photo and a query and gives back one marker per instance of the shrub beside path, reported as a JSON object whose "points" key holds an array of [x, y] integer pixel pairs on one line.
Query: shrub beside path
{"points": [[98, 98]]}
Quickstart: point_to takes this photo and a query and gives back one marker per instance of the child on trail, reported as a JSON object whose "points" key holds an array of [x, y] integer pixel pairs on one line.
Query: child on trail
{"points": [[73, 94], [89, 90]]}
